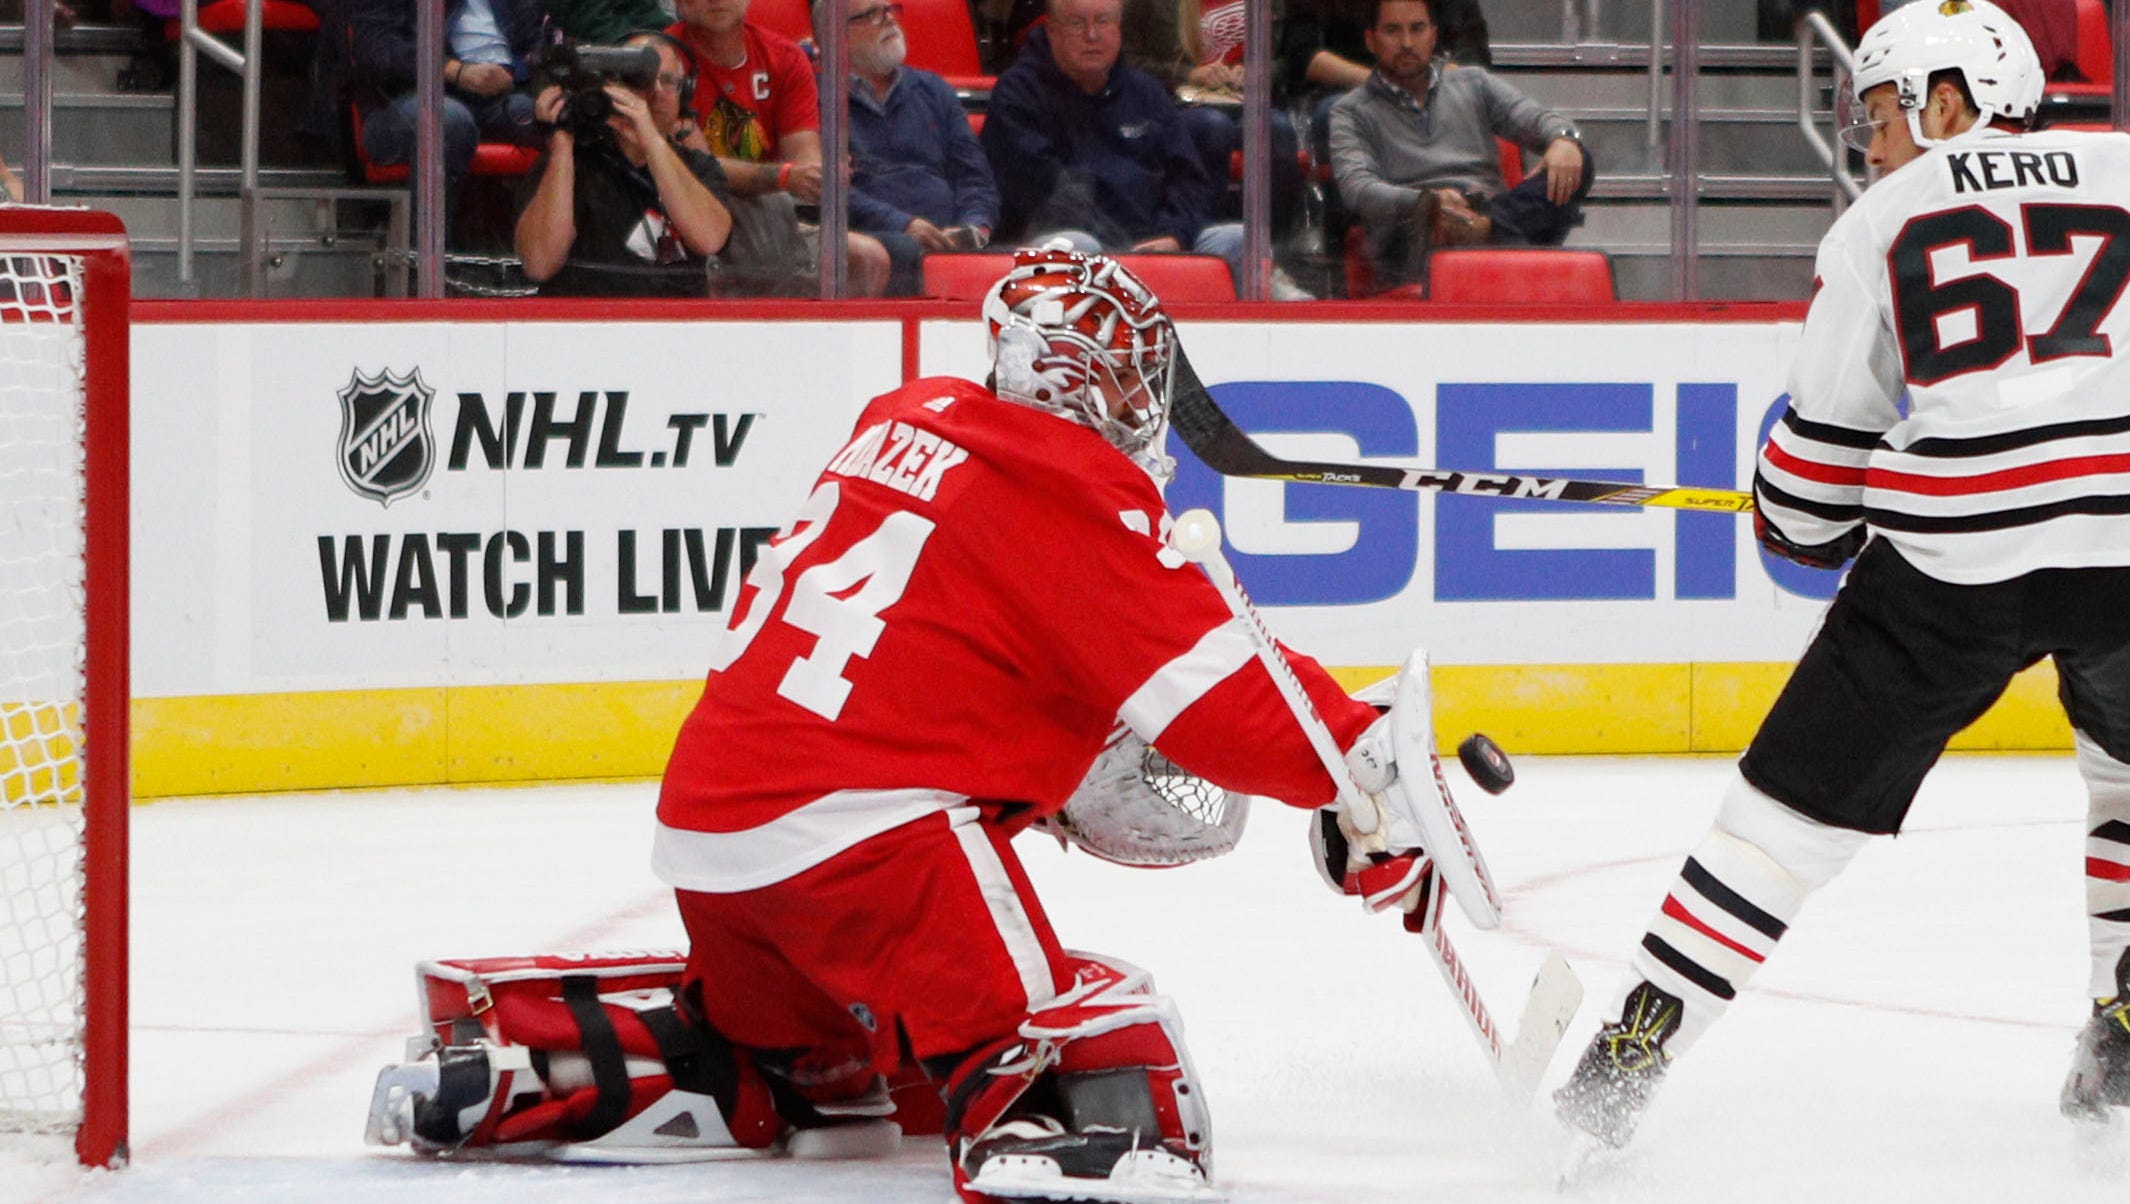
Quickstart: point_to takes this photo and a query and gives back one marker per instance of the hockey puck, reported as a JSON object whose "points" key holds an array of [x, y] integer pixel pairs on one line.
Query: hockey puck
{"points": [[1488, 765]]}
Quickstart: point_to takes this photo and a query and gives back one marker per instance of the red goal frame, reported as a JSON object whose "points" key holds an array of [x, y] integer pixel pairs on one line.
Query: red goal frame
{"points": [[99, 241]]}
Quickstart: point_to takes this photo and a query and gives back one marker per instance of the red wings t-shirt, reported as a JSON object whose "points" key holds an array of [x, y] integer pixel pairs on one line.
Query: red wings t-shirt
{"points": [[744, 110], [972, 596]]}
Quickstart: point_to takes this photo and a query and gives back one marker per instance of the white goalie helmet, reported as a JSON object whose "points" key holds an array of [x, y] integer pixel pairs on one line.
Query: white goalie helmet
{"points": [[1080, 336], [1906, 46]]}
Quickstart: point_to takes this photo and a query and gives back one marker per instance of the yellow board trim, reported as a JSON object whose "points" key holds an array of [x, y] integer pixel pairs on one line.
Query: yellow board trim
{"points": [[250, 743]]}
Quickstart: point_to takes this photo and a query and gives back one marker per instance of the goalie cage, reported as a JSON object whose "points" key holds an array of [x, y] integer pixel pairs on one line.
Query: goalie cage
{"points": [[64, 294]]}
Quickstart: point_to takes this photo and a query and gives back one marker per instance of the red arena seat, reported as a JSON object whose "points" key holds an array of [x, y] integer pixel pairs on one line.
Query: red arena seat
{"points": [[942, 40], [2095, 56], [1182, 277], [964, 277], [227, 16], [792, 18], [1520, 276], [968, 276]]}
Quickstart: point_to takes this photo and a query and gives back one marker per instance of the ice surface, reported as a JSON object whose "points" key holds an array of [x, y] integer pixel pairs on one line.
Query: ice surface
{"points": [[1905, 1043]]}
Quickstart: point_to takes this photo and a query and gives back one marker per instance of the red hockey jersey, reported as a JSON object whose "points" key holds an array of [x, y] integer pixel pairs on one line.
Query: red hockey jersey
{"points": [[974, 594]]}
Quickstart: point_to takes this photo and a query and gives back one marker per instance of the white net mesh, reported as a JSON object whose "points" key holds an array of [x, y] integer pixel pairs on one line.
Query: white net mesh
{"points": [[43, 649]]}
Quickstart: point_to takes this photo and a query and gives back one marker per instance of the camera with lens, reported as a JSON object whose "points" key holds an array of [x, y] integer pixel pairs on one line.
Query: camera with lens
{"points": [[583, 72]]}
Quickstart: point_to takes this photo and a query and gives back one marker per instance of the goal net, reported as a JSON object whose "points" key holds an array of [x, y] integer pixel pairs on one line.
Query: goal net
{"points": [[63, 684]]}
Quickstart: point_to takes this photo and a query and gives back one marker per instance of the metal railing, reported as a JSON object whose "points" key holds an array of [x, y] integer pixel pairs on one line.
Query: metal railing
{"points": [[194, 42], [1813, 29]]}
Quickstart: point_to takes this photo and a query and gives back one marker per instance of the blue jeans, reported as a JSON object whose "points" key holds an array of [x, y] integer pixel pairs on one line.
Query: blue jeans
{"points": [[1524, 215], [905, 263], [388, 133], [1217, 134]]}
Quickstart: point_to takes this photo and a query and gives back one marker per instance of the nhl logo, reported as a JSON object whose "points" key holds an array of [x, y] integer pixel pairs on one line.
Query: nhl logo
{"points": [[385, 448]]}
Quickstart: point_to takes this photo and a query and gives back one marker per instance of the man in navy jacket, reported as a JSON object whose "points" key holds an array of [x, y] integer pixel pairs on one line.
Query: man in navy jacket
{"points": [[1089, 148], [919, 181]]}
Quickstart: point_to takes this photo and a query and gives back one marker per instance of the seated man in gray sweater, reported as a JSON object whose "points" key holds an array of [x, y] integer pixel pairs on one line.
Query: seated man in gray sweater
{"points": [[1414, 152]]}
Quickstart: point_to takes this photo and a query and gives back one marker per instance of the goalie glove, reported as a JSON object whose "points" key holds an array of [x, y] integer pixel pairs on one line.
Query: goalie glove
{"points": [[1136, 807], [1381, 882], [1415, 833]]}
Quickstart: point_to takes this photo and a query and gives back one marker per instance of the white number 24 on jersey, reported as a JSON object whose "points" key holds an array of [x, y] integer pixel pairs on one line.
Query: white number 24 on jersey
{"points": [[845, 622]]}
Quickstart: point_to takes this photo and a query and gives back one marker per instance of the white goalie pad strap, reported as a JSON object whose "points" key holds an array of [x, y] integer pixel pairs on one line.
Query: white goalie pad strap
{"points": [[1416, 797], [1136, 807]]}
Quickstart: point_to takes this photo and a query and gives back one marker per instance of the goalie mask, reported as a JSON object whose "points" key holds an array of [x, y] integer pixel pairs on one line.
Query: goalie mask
{"points": [[1080, 336], [1908, 45]]}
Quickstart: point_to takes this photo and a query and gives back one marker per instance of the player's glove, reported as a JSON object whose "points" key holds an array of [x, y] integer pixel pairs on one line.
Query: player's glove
{"points": [[1832, 554], [1380, 882]]}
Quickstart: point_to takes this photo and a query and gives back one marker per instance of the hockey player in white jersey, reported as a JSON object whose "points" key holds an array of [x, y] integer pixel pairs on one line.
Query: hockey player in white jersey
{"points": [[1989, 519]]}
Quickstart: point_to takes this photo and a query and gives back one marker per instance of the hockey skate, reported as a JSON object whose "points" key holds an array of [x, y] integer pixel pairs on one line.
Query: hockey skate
{"points": [[1036, 1158], [1604, 1098], [2100, 1065]]}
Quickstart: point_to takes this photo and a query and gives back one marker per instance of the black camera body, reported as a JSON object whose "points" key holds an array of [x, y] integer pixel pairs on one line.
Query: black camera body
{"points": [[583, 72]]}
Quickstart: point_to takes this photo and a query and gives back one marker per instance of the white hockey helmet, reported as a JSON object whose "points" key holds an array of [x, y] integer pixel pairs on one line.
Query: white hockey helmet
{"points": [[1974, 37], [1071, 333]]}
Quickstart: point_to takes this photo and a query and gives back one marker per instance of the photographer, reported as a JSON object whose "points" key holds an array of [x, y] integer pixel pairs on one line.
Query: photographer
{"points": [[629, 201]]}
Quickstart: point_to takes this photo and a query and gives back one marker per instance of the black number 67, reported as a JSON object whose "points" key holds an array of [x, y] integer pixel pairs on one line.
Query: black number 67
{"points": [[1999, 333]]}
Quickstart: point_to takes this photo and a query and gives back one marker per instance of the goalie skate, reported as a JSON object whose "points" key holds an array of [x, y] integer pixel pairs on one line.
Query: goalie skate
{"points": [[1036, 1159]]}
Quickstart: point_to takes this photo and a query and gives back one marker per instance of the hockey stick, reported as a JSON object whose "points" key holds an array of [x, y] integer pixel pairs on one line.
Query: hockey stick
{"points": [[1215, 439], [1556, 992]]}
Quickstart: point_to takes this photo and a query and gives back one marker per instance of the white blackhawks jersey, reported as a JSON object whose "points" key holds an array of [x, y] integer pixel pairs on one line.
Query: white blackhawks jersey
{"points": [[1987, 278]]}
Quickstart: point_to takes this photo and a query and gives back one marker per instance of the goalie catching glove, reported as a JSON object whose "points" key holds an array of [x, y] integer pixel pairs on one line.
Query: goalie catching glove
{"points": [[1136, 807], [1411, 830]]}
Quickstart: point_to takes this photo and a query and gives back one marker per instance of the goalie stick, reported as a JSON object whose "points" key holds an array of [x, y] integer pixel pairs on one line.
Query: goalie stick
{"points": [[1224, 447], [1555, 993]]}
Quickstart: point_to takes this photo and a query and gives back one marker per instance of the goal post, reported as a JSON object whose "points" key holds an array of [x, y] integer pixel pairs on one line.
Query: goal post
{"points": [[65, 284]]}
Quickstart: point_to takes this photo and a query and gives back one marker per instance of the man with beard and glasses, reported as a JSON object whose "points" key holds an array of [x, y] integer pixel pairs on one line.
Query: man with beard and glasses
{"points": [[919, 181], [1415, 155]]}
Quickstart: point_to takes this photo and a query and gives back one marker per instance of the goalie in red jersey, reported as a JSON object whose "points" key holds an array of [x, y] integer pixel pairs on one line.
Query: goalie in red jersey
{"points": [[975, 598]]}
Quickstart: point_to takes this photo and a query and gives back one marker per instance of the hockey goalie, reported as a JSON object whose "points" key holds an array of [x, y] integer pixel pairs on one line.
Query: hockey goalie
{"points": [[934, 656]]}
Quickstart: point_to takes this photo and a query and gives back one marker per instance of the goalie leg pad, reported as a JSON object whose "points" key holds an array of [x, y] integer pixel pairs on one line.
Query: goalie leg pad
{"points": [[1094, 1098], [572, 1057]]}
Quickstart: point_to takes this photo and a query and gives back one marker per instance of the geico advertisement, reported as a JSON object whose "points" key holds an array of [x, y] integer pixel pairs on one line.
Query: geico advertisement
{"points": [[413, 504], [1358, 575]]}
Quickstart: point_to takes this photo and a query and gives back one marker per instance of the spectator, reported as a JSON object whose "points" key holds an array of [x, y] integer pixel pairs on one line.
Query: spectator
{"points": [[630, 207], [11, 182], [919, 181], [487, 44], [760, 111], [606, 22], [1089, 148], [1197, 52], [1415, 156]]}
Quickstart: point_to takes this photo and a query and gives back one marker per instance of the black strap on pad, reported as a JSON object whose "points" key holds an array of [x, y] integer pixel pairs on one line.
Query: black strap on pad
{"points": [[580, 993]]}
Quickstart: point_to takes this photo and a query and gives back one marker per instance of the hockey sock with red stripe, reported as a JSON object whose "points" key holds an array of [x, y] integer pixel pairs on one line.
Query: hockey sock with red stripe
{"points": [[1733, 900], [2107, 863]]}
